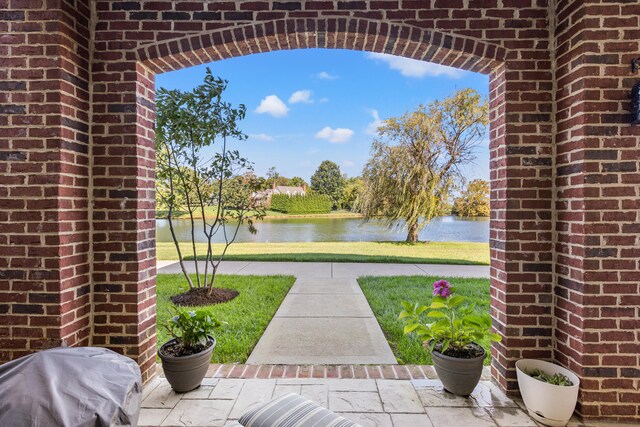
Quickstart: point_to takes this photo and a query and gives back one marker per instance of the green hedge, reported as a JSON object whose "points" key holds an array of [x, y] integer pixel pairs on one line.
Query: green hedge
{"points": [[298, 204]]}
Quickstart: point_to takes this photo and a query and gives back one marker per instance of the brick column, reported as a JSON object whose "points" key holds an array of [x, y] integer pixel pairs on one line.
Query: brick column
{"points": [[521, 238], [44, 224], [598, 206], [124, 211]]}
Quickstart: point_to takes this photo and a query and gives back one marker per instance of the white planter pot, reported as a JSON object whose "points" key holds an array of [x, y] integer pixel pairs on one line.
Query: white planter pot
{"points": [[550, 404]]}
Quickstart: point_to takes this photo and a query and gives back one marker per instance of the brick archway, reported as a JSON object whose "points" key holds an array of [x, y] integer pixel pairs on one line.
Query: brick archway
{"points": [[412, 42], [77, 162]]}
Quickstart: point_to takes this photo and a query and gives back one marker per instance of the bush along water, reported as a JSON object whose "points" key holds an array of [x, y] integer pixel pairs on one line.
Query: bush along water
{"points": [[299, 204], [451, 330]]}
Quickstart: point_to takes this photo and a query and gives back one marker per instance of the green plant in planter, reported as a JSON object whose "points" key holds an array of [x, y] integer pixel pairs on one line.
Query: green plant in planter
{"points": [[555, 379], [452, 328], [191, 330]]}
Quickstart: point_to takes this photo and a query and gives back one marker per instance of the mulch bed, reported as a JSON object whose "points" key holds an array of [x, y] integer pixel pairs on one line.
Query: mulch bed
{"points": [[200, 296]]}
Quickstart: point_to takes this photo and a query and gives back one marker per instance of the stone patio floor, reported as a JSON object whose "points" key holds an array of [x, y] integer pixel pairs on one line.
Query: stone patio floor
{"points": [[369, 402]]}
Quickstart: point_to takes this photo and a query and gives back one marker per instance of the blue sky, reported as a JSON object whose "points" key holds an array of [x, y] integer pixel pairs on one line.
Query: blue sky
{"points": [[306, 106]]}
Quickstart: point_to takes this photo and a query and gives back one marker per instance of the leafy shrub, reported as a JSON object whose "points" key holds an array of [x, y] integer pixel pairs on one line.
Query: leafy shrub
{"points": [[299, 204], [555, 379], [191, 328]]}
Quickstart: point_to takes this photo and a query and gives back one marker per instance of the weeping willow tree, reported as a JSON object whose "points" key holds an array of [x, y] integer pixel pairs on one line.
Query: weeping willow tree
{"points": [[416, 158]]}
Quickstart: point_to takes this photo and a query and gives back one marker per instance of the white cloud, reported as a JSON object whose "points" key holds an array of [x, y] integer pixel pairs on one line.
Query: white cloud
{"points": [[261, 137], [413, 67], [323, 75], [272, 105], [347, 163], [337, 135], [323, 100], [372, 128], [303, 96]]}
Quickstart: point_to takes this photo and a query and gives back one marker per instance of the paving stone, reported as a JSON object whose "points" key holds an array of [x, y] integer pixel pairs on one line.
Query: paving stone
{"points": [[254, 393], [227, 388], [368, 419], [354, 401], [210, 381], [399, 396], [151, 385], [487, 394], [325, 305], [201, 392], [213, 413], [322, 341], [282, 389], [432, 393], [411, 420], [316, 393], [162, 396], [460, 417], [150, 417], [511, 417], [351, 385]]}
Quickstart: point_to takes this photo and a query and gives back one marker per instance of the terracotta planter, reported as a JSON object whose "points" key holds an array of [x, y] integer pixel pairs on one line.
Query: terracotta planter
{"points": [[459, 376], [185, 373], [547, 403]]}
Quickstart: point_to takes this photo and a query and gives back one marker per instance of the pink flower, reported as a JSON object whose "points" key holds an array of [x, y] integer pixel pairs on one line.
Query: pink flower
{"points": [[442, 288]]}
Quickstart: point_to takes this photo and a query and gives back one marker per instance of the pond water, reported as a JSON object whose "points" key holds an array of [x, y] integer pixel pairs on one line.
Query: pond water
{"points": [[441, 229]]}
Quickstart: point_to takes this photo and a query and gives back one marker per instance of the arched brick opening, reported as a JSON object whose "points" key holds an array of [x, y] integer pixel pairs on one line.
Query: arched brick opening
{"points": [[76, 160], [511, 227]]}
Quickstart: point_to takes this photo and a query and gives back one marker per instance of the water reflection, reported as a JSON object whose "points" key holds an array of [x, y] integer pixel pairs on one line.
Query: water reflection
{"points": [[442, 229]]}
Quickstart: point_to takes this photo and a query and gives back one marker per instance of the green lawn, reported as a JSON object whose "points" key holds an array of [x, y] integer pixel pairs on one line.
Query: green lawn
{"points": [[386, 293], [399, 252], [247, 315]]}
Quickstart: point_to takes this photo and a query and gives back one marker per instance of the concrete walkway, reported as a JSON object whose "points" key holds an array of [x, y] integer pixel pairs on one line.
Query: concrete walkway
{"points": [[323, 321], [335, 269]]}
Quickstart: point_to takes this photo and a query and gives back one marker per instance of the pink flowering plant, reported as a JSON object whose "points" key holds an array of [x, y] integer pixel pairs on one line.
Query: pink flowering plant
{"points": [[448, 325]]}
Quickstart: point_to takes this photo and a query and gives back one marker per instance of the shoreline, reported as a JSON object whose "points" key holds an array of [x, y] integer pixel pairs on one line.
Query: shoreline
{"points": [[287, 216]]}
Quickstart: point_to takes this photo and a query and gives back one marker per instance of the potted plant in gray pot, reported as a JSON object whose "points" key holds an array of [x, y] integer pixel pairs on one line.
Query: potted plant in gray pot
{"points": [[451, 333], [186, 357]]}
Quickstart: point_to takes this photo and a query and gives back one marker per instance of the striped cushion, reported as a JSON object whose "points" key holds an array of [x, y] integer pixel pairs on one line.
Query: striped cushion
{"points": [[293, 410]]}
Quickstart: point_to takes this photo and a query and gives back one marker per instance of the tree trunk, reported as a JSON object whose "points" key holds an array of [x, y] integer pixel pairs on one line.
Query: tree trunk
{"points": [[412, 235]]}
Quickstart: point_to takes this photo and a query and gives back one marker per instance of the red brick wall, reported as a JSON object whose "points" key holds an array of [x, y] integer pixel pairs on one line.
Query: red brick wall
{"points": [[598, 205], [592, 238], [44, 166]]}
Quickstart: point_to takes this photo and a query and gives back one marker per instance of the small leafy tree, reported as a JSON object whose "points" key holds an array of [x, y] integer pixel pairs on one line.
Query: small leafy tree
{"points": [[296, 181], [188, 125], [328, 180], [474, 201], [415, 162], [351, 194]]}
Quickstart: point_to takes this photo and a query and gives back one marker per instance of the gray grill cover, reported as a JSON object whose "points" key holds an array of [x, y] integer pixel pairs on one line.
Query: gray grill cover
{"points": [[84, 386]]}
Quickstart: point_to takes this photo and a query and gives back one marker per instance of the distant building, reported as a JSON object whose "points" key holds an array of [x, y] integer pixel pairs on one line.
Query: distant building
{"points": [[264, 197]]}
